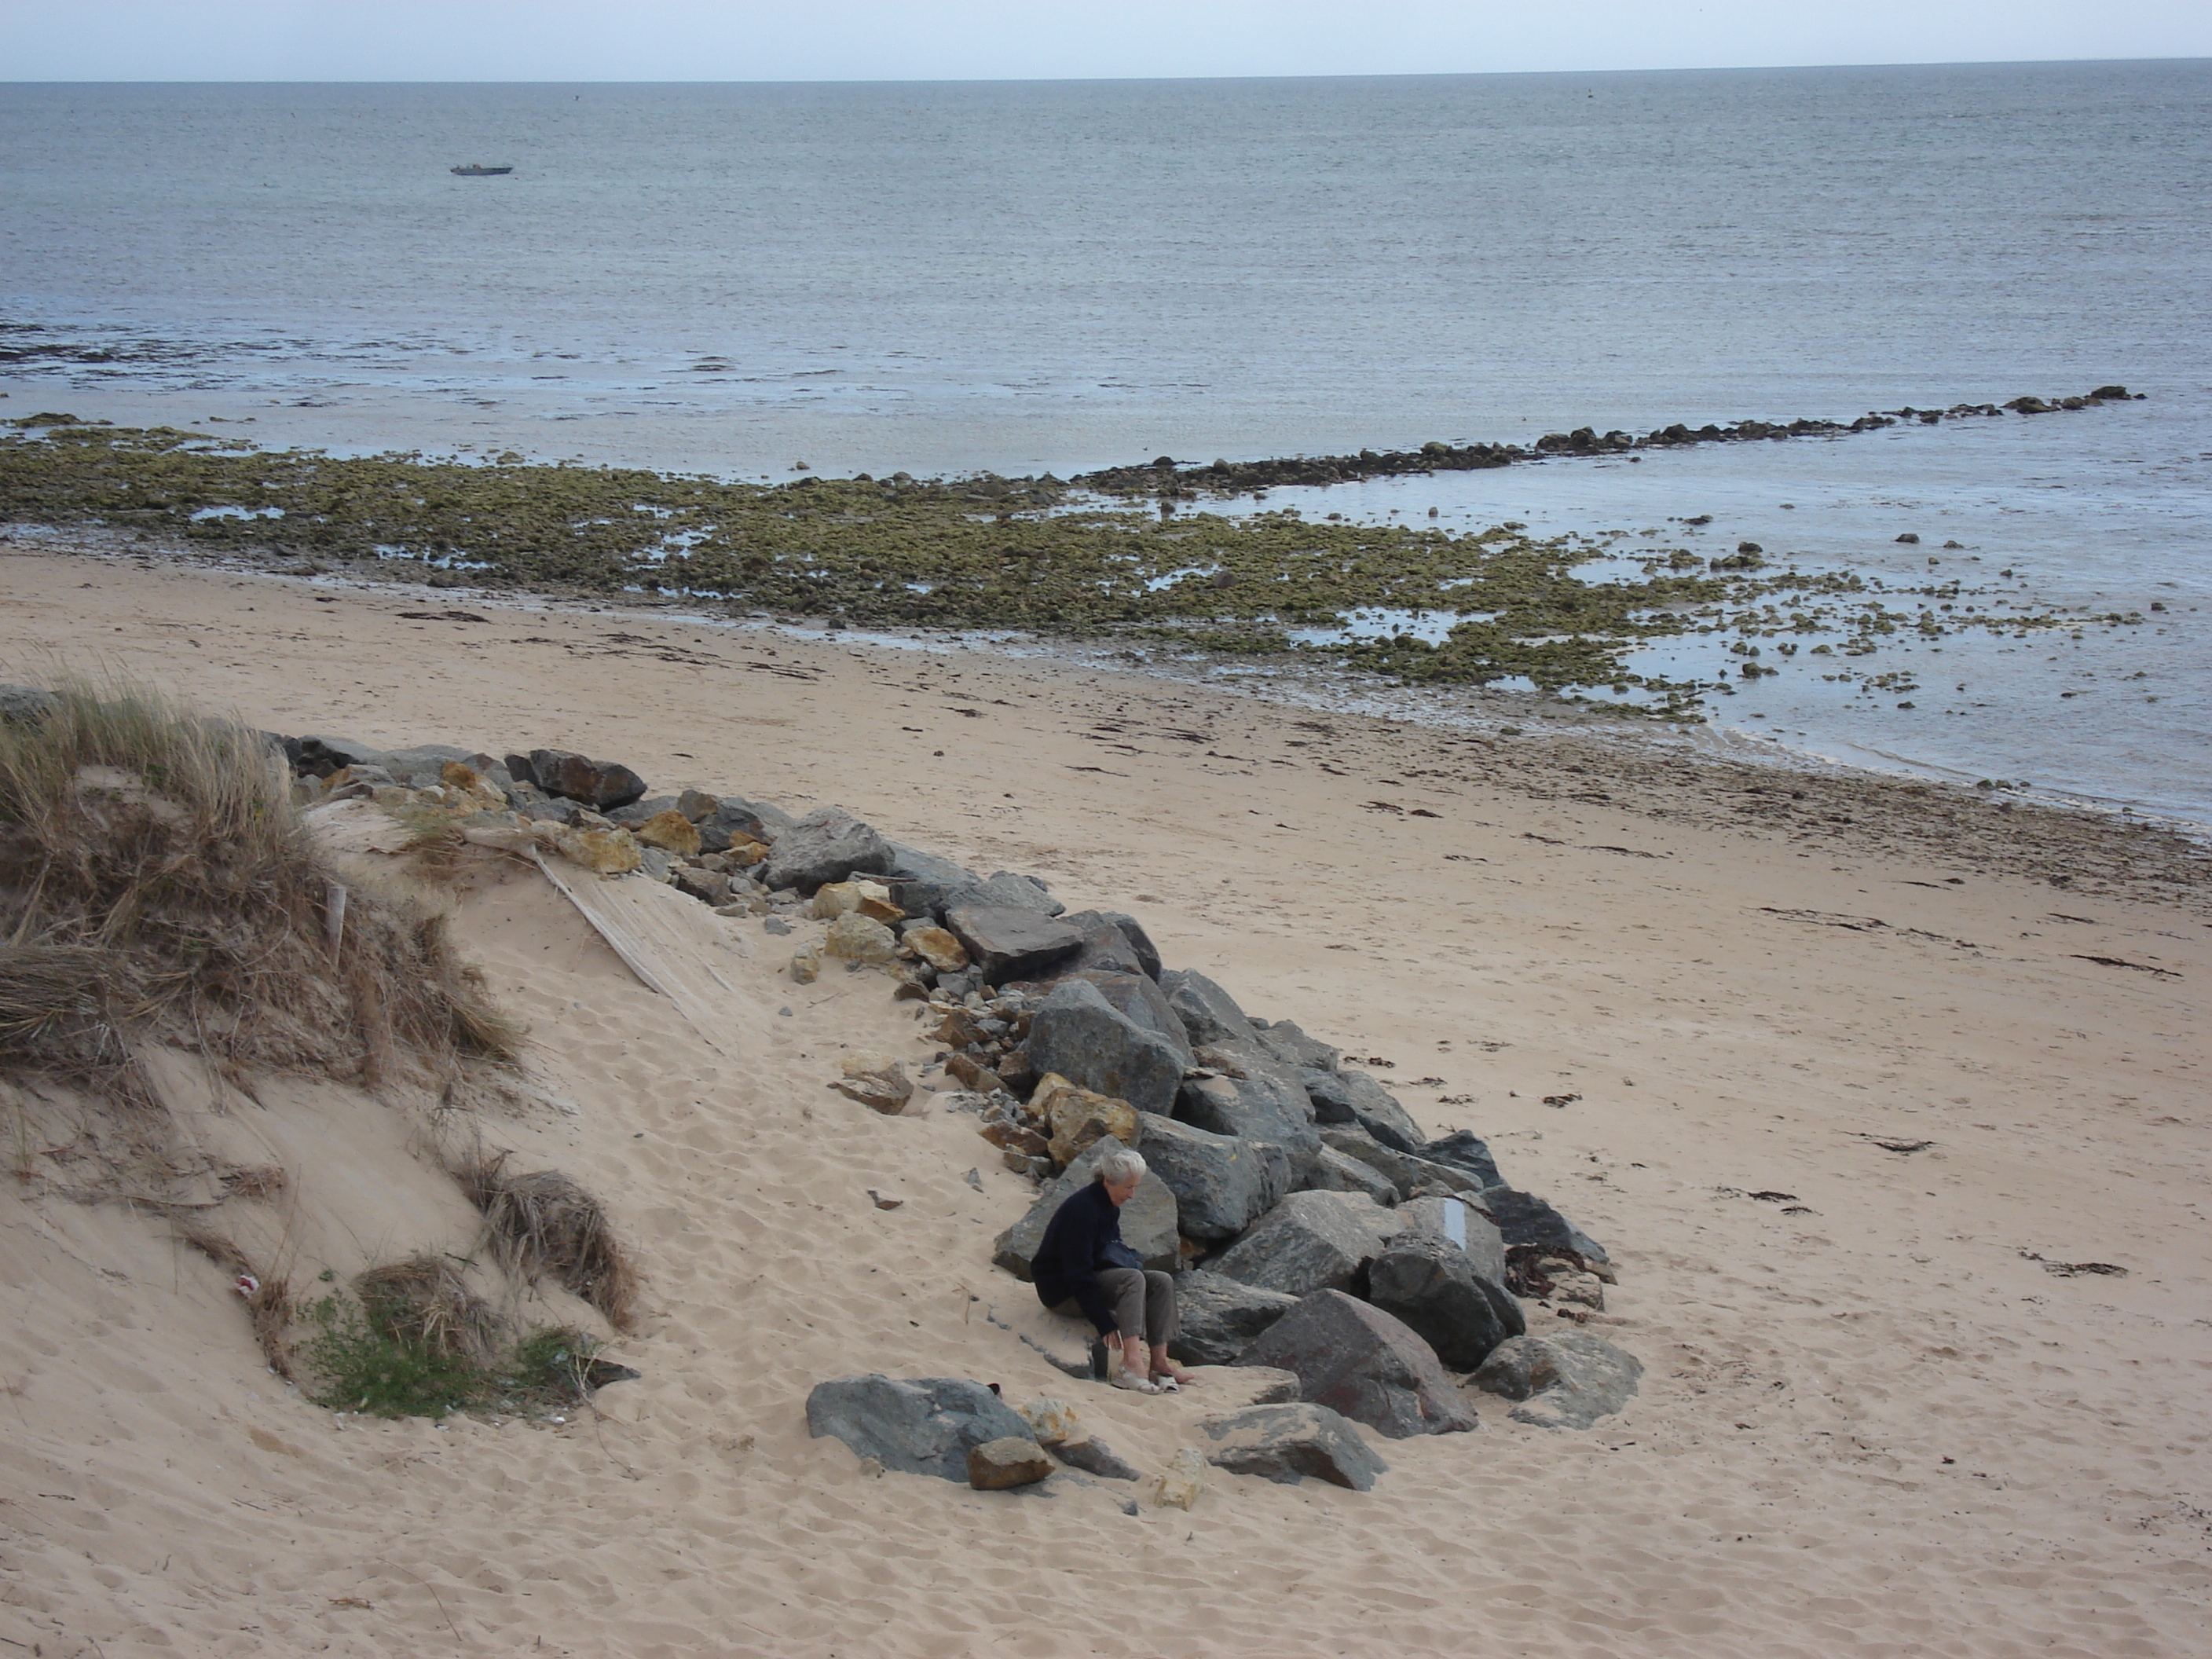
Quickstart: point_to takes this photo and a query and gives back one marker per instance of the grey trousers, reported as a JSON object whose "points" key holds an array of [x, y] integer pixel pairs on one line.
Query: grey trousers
{"points": [[1142, 1301]]}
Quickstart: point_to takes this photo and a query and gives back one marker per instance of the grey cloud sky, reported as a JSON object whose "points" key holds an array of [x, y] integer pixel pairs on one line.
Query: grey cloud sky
{"points": [[991, 39]]}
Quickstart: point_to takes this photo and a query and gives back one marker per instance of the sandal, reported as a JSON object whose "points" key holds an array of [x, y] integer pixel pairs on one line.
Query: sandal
{"points": [[1166, 1385], [1134, 1384]]}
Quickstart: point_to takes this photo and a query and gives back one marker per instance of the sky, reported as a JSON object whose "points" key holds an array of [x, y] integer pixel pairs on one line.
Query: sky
{"points": [[1043, 39]]}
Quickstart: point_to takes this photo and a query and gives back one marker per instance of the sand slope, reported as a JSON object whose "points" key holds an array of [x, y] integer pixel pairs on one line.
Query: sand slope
{"points": [[1872, 1426]]}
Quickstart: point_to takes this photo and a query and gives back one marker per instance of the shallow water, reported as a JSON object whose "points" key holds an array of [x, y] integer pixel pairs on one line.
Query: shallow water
{"points": [[1032, 277]]}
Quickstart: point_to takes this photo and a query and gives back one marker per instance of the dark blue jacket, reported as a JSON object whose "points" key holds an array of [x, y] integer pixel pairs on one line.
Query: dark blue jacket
{"points": [[1084, 1234]]}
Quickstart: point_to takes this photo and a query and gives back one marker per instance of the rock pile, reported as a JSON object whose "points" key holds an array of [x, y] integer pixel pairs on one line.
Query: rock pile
{"points": [[1315, 1228]]}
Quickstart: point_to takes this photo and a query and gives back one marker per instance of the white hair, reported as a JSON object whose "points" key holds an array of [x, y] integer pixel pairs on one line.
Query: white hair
{"points": [[1117, 1167]]}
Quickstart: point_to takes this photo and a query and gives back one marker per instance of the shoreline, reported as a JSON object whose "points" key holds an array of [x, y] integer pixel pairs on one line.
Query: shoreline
{"points": [[1544, 750]]}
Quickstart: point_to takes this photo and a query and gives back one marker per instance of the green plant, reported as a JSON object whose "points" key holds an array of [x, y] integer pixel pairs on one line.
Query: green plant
{"points": [[360, 1368]]}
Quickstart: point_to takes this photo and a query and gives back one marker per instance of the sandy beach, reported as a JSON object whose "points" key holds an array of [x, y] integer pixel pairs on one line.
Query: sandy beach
{"points": [[1873, 1421]]}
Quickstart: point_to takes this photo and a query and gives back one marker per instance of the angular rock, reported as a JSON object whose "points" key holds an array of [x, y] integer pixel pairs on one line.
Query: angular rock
{"points": [[871, 899], [1354, 1098], [1148, 1219], [1182, 1483], [1095, 1456], [1009, 942], [1287, 1443], [1309, 1241], [1531, 1224], [696, 805], [922, 882], [323, 755], [925, 1425], [1332, 1171], [609, 851], [1209, 1014], [1463, 1149], [1366, 1364], [1431, 1284], [876, 1081], [936, 947], [1461, 1222], [1076, 1117], [1137, 996], [1010, 891], [1148, 955], [638, 811], [25, 705], [1085, 1039], [1565, 1382], [1105, 948], [671, 832], [1053, 1421], [1407, 1173], [1222, 1183], [857, 938], [1253, 1096], [827, 844], [999, 1465], [732, 821], [708, 886], [600, 785], [1291, 1046], [805, 965], [1219, 1317]]}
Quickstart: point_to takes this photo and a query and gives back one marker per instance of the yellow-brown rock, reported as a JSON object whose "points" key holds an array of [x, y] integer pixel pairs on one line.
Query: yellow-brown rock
{"points": [[939, 948], [1075, 1117], [745, 852], [480, 791], [875, 1080], [858, 939], [1181, 1482], [671, 832], [609, 851]]}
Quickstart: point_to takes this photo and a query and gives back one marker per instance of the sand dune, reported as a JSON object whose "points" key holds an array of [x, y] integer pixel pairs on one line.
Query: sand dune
{"points": [[1873, 1422]]}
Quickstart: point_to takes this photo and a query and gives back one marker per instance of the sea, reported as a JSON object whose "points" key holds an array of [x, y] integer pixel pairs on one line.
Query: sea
{"points": [[1026, 277]]}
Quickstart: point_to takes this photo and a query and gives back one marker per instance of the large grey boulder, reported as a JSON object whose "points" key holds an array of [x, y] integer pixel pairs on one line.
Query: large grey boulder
{"points": [[921, 882], [1404, 1172], [408, 764], [733, 817], [829, 844], [1251, 1095], [1463, 1149], [1284, 1040], [1106, 948], [600, 785], [1136, 996], [321, 755], [1309, 1241], [1366, 1364], [25, 705], [1222, 1183], [1148, 954], [1286, 1443], [1148, 1219], [1218, 1318], [1531, 1224], [1007, 942], [1431, 1284], [921, 1425], [1356, 1098], [1209, 1013], [1016, 892], [1331, 1171], [1463, 1224], [1564, 1382], [638, 811], [1077, 1033]]}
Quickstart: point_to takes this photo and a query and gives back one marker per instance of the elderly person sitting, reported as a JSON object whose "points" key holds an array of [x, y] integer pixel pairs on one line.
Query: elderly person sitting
{"points": [[1083, 1263]]}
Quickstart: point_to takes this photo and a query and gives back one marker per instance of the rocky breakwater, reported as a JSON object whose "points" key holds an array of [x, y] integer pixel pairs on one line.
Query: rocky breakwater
{"points": [[1316, 1230]]}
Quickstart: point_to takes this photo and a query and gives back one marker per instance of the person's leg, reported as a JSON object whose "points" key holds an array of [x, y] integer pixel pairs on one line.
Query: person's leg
{"points": [[1124, 1291], [1163, 1325]]}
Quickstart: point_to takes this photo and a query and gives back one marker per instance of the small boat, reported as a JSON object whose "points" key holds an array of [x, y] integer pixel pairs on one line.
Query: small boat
{"points": [[478, 170]]}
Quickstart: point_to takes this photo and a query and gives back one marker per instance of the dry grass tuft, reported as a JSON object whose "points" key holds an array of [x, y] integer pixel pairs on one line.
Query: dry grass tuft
{"points": [[269, 1307], [424, 1303], [545, 1223], [157, 884]]}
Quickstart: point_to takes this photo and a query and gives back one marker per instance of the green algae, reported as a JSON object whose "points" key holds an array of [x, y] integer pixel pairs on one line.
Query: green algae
{"points": [[977, 552]]}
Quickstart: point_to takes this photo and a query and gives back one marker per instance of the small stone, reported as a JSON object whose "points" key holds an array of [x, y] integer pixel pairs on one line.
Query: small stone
{"points": [[860, 938], [670, 831], [1095, 1456], [609, 851], [938, 947], [883, 1203], [875, 1080], [997, 1465], [805, 965], [1078, 1117], [1054, 1421], [1182, 1483]]}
